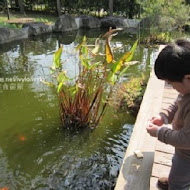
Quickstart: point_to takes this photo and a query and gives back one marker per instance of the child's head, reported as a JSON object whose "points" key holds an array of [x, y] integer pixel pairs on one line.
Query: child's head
{"points": [[173, 62]]}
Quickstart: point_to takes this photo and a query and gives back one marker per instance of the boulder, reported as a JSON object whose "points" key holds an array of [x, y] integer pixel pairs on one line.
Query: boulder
{"points": [[86, 21], [65, 23], [112, 21], [131, 23], [37, 28], [9, 35], [119, 22]]}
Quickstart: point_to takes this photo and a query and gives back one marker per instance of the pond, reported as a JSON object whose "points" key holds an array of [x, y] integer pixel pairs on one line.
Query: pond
{"points": [[35, 151]]}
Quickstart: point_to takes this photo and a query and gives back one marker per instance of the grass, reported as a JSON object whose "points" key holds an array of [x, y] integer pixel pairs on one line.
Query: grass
{"points": [[48, 19]]}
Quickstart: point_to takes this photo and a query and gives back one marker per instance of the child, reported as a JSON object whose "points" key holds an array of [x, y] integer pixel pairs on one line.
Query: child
{"points": [[173, 66]]}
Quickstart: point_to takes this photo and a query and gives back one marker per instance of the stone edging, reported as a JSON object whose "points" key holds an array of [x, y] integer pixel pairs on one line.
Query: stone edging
{"points": [[63, 24], [135, 172]]}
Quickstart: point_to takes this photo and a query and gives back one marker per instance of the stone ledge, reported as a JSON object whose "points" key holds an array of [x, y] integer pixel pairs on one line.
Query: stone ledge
{"points": [[135, 173]]}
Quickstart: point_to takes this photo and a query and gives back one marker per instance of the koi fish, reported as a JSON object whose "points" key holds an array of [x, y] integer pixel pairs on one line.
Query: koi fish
{"points": [[4, 188]]}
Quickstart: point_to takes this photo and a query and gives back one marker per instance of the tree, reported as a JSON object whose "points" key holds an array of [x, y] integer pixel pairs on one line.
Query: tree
{"points": [[21, 6], [59, 8], [111, 7], [166, 14], [175, 15], [8, 13]]}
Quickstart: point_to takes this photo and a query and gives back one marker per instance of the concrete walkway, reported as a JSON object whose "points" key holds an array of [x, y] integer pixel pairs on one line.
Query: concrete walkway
{"points": [[142, 173]]}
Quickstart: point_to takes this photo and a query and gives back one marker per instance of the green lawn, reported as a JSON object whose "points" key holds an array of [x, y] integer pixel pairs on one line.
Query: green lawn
{"points": [[48, 19]]}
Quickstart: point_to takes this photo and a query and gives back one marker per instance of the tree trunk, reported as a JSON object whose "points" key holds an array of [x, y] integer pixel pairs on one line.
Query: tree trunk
{"points": [[59, 8], [111, 7], [21, 6], [11, 3], [8, 13]]}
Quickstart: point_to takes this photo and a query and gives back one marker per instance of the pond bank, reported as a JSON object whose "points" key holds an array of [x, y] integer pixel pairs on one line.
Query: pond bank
{"points": [[65, 23], [135, 173]]}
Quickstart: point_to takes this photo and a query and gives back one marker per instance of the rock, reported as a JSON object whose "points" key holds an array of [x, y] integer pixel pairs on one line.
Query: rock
{"points": [[131, 23], [65, 23], [9, 35], [111, 21], [36, 28], [86, 21], [138, 154], [119, 22]]}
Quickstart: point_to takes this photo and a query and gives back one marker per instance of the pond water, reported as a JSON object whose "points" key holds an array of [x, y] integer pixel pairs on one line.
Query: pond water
{"points": [[35, 151]]}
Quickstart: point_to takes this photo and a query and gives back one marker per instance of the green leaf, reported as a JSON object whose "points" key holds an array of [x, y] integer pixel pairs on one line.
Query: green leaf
{"points": [[85, 50], [73, 90], [123, 71], [62, 77], [127, 65], [48, 83], [60, 87], [81, 44], [112, 78], [84, 53], [95, 65], [57, 59], [124, 57], [132, 51], [97, 47], [116, 67], [84, 62]]}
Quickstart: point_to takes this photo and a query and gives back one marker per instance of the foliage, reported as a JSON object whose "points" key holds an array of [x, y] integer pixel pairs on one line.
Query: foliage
{"points": [[171, 14], [128, 8], [84, 98], [175, 15], [129, 94], [151, 7], [160, 38]]}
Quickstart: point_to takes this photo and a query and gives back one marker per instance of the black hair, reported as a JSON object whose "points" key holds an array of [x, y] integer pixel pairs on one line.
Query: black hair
{"points": [[173, 62]]}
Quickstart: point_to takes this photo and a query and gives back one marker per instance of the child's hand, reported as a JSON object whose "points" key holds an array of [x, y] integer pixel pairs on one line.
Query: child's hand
{"points": [[152, 129], [157, 120]]}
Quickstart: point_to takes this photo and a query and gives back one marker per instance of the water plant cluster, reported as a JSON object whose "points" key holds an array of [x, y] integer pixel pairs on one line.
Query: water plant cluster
{"points": [[84, 98], [157, 38], [129, 94]]}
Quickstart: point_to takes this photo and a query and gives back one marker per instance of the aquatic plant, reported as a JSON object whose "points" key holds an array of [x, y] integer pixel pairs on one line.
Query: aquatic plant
{"points": [[84, 98], [160, 38], [129, 94]]}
